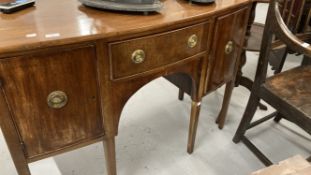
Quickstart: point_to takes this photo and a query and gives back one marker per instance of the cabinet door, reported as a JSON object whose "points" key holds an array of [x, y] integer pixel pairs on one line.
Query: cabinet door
{"points": [[35, 87], [228, 38]]}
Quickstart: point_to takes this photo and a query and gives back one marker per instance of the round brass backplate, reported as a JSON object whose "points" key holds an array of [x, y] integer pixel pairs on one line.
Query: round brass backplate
{"points": [[229, 48], [138, 56], [57, 99], [192, 41]]}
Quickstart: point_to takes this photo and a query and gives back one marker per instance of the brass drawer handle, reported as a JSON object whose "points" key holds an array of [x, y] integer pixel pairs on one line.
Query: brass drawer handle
{"points": [[229, 47], [57, 99], [192, 41], [138, 56]]}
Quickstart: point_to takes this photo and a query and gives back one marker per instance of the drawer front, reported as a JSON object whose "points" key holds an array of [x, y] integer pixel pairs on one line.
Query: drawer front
{"points": [[227, 42], [156, 50], [53, 98]]}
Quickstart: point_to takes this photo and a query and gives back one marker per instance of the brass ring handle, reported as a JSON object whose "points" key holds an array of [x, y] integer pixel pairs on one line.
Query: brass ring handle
{"points": [[229, 47], [57, 99], [138, 56], [192, 41]]}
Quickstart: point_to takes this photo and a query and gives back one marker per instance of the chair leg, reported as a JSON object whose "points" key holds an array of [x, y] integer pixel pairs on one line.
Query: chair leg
{"points": [[256, 151], [109, 146], [194, 119], [181, 94], [225, 105], [278, 117], [247, 118]]}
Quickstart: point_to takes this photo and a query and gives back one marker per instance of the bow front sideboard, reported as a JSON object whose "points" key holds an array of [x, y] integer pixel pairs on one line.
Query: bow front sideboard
{"points": [[66, 71]]}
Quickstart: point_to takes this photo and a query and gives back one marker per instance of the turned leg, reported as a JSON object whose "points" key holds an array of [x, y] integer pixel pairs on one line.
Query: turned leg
{"points": [[247, 117], [110, 153], [194, 119], [181, 94], [225, 105]]}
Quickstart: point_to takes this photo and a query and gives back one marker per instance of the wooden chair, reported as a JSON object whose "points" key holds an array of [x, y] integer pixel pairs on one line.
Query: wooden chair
{"points": [[288, 92], [253, 41], [255, 34]]}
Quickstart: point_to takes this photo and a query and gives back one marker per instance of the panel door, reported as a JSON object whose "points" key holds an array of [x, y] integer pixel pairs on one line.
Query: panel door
{"points": [[227, 43], [53, 98]]}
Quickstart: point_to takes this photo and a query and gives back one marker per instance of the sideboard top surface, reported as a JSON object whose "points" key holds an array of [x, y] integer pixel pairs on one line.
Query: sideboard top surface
{"points": [[56, 22]]}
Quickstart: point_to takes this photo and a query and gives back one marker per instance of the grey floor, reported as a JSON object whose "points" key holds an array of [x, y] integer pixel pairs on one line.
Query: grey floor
{"points": [[153, 137]]}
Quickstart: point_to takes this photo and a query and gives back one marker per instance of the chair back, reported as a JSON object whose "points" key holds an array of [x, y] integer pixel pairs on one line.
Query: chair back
{"points": [[291, 12], [307, 25], [276, 25]]}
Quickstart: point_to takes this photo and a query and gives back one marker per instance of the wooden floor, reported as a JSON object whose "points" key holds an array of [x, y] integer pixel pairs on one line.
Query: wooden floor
{"points": [[145, 124]]}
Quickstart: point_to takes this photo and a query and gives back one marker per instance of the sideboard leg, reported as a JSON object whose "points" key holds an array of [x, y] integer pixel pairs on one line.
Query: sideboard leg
{"points": [[225, 105], [22, 168], [181, 94], [194, 119], [11, 136], [110, 153]]}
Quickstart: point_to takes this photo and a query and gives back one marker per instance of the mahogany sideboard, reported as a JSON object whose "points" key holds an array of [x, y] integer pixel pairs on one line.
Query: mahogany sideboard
{"points": [[66, 70]]}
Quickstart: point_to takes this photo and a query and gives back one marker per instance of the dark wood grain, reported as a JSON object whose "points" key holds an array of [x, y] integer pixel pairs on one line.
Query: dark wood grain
{"points": [[86, 53], [230, 64], [12, 136], [28, 81], [230, 27], [160, 50], [292, 87], [84, 23]]}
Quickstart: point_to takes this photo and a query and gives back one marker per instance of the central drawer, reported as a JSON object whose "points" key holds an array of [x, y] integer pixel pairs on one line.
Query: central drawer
{"points": [[143, 54]]}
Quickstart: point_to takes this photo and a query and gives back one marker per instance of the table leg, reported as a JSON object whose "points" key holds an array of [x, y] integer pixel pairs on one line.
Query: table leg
{"points": [[181, 94], [225, 105], [194, 119], [110, 153]]}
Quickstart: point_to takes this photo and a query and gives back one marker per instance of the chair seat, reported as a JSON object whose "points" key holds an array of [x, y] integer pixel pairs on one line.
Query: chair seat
{"points": [[292, 88], [255, 37]]}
